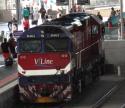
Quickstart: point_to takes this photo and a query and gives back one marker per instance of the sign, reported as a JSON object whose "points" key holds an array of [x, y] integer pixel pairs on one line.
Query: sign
{"points": [[17, 33], [62, 2], [83, 2], [40, 61]]}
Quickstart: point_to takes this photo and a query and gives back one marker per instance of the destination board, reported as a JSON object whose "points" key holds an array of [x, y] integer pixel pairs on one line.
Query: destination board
{"points": [[62, 2], [83, 2], [41, 32]]}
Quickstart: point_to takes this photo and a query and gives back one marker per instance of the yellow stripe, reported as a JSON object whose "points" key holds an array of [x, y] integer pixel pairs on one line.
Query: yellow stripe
{"points": [[45, 100]]}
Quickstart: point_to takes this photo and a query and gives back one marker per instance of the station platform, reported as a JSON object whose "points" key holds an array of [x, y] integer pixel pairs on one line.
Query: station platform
{"points": [[117, 100], [7, 73]]}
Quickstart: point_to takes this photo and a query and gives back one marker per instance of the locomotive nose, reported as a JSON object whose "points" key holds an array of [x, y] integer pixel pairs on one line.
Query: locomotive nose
{"points": [[45, 92]]}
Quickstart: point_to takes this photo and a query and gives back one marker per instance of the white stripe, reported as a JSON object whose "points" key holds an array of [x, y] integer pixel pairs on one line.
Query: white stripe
{"points": [[68, 68], [88, 46], [2, 65]]}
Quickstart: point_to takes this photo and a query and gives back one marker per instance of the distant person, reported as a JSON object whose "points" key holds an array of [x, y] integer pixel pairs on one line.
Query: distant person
{"points": [[26, 24], [14, 25], [113, 12], [110, 26], [14, 20], [12, 45], [5, 49], [99, 16], [83, 10], [119, 28], [110, 23], [42, 11], [79, 9], [2, 35], [59, 13], [117, 12], [31, 12], [26, 13], [35, 17], [10, 26], [47, 18], [74, 8]]}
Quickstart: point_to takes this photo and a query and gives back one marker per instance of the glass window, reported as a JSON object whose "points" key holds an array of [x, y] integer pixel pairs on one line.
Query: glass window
{"points": [[56, 44], [95, 29], [30, 46], [11, 4]]}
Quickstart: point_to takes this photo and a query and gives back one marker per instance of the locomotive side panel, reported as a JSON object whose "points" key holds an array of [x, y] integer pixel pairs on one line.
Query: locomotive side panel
{"points": [[88, 52]]}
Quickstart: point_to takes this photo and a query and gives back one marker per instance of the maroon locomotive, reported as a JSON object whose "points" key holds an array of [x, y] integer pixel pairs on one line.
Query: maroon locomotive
{"points": [[58, 59]]}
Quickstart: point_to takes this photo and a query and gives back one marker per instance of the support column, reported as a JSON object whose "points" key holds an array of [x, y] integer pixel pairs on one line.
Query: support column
{"points": [[70, 5], [18, 11], [121, 20]]}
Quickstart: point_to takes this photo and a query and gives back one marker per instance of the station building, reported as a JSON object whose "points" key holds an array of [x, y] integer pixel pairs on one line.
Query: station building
{"points": [[13, 8]]}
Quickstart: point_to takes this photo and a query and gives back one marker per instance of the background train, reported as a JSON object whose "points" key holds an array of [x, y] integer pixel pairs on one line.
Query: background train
{"points": [[57, 59]]}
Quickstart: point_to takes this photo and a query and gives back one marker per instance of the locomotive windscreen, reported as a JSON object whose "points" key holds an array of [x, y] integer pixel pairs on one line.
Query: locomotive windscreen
{"points": [[50, 45], [44, 39], [56, 44], [30, 45]]}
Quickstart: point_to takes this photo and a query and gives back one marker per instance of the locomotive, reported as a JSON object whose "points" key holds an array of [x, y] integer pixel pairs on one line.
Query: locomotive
{"points": [[58, 59]]}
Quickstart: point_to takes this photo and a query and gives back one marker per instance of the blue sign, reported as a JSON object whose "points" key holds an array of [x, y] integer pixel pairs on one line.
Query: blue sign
{"points": [[17, 33]]}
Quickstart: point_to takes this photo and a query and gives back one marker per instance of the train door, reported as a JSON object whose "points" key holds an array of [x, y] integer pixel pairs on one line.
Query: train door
{"points": [[95, 37], [78, 41]]}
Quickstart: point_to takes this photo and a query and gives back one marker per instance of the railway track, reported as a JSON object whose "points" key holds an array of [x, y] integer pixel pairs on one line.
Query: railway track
{"points": [[97, 95], [117, 99]]}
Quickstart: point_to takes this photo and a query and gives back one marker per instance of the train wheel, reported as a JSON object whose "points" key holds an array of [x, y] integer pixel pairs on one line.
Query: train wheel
{"points": [[95, 73], [102, 69], [81, 86], [98, 70], [73, 88], [74, 93]]}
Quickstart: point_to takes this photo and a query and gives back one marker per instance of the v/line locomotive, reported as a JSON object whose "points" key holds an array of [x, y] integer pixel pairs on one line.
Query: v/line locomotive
{"points": [[57, 59]]}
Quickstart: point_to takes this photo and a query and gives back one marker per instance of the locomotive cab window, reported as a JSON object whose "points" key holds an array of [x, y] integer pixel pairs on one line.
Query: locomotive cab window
{"points": [[30, 45], [56, 44]]}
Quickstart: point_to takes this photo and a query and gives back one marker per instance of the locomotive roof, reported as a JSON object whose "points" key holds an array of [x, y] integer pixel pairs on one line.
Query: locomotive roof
{"points": [[69, 20]]}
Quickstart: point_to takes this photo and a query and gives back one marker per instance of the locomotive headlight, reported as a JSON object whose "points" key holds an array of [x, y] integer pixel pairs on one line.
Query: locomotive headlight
{"points": [[62, 72], [22, 57], [64, 55], [59, 72], [23, 72]]}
